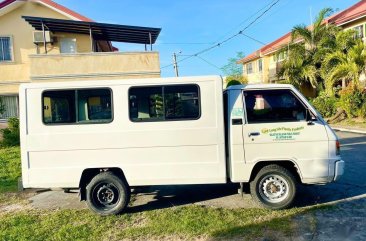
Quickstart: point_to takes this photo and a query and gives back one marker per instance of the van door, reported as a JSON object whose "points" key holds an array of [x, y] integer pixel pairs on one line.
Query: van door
{"points": [[277, 129]]}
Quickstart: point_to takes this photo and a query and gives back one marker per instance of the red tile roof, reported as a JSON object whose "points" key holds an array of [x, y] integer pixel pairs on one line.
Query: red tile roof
{"points": [[354, 12], [6, 3], [54, 5], [66, 10], [250, 57], [351, 13], [278, 43]]}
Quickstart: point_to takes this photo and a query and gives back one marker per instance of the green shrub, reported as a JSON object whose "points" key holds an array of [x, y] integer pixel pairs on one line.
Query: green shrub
{"points": [[325, 104], [233, 82], [11, 134], [352, 100], [362, 110]]}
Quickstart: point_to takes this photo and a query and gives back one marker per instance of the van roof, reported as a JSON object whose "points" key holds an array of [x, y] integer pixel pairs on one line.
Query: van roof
{"points": [[259, 86], [137, 81]]}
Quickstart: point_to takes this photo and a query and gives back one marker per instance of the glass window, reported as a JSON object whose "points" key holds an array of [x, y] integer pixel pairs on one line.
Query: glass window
{"points": [[159, 103], [146, 103], [359, 31], [273, 106], [94, 105], [249, 68], [260, 65], [10, 104], [77, 106], [5, 49]]}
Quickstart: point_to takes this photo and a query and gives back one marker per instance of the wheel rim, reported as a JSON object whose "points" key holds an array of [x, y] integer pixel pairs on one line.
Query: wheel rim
{"points": [[106, 196], [274, 188]]}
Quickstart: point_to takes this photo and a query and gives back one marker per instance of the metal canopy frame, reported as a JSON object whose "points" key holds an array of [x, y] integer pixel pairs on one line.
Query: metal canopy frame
{"points": [[97, 31]]}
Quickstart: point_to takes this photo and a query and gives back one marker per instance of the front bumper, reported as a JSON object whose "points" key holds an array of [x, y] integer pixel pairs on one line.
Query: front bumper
{"points": [[338, 169]]}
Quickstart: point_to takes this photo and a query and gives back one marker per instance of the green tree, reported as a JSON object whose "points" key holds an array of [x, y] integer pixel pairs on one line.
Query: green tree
{"points": [[234, 71], [346, 63], [306, 52]]}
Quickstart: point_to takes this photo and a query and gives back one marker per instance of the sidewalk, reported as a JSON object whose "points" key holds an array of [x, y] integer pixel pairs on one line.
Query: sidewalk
{"points": [[346, 128]]}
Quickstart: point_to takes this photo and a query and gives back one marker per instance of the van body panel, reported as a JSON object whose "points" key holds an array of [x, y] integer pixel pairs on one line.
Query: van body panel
{"points": [[210, 148], [149, 153]]}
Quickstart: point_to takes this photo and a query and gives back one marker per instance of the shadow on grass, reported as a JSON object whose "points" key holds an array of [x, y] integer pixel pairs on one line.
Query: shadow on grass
{"points": [[8, 186]]}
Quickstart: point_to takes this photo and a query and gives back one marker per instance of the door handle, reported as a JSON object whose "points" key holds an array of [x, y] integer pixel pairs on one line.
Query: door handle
{"points": [[253, 134]]}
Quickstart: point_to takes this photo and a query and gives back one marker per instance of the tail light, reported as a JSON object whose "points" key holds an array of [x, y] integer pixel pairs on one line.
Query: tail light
{"points": [[338, 148]]}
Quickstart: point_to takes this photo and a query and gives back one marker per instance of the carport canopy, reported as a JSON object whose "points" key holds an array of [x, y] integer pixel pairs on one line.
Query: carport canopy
{"points": [[97, 31]]}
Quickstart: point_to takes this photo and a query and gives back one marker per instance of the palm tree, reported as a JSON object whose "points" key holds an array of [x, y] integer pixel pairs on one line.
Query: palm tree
{"points": [[346, 64], [299, 69], [306, 52]]}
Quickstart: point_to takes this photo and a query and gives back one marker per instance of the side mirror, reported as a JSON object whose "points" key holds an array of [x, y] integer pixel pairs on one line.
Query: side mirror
{"points": [[310, 118]]}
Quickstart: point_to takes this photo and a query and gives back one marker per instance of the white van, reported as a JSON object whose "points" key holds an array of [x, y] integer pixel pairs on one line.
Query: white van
{"points": [[104, 137]]}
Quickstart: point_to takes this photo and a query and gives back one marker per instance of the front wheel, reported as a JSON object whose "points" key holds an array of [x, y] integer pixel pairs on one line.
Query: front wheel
{"points": [[274, 187], [107, 194]]}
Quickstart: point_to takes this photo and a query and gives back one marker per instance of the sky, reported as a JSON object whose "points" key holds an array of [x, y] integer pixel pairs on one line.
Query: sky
{"points": [[190, 26]]}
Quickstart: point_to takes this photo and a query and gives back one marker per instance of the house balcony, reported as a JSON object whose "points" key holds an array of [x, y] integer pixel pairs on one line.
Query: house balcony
{"points": [[93, 66]]}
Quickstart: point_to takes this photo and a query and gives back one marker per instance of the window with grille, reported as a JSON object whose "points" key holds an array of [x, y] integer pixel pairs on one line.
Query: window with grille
{"points": [[5, 49]]}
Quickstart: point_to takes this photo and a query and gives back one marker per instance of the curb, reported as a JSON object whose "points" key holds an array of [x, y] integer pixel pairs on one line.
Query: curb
{"points": [[348, 130]]}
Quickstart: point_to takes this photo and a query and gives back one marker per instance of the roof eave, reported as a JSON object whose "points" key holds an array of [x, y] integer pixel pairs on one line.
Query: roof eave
{"points": [[10, 6]]}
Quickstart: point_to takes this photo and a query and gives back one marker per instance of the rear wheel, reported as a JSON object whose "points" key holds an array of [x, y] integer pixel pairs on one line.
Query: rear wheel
{"points": [[274, 187], [107, 194]]}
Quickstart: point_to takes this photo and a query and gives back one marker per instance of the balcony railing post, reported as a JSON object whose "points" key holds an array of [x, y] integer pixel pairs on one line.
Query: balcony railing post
{"points": [[91, 39], [150, 38], [44, 38]]}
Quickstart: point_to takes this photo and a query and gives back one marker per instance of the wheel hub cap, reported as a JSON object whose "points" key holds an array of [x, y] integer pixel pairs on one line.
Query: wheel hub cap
{"points": [[273, 188], [105, 195]]}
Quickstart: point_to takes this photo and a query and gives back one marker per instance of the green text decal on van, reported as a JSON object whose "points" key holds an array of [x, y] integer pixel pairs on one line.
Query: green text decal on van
{"points": [[283, 133]]}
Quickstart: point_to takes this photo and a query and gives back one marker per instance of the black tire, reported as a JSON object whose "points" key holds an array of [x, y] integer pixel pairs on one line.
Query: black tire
{"points": [[274, 187], [107, 194]]}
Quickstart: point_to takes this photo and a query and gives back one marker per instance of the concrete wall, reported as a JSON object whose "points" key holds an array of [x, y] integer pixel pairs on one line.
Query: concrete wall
{"points": [[258, 76], [88, 66]]}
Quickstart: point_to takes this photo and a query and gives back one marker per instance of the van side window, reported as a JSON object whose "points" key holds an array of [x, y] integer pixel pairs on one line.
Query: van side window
{"points": [[163, 103], [77, 106], [264, 106]]}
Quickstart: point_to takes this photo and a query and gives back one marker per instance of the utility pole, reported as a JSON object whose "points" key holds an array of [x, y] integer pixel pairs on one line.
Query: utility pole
{"points": [[175, 64]]}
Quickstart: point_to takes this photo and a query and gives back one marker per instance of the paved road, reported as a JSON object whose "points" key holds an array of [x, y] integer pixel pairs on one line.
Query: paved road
{"points": [[347, 222]]}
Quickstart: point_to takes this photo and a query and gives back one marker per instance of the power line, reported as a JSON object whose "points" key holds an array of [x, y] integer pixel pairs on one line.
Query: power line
{"points": [[184, 43], [247, 19], [254, 39], [209, 63], [227, 39]]}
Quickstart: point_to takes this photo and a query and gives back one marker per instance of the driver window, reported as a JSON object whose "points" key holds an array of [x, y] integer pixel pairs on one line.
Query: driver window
{"points": [[264, 106]]}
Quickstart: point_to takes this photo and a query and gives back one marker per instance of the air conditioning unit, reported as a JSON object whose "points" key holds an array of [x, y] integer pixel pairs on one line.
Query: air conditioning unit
{"points": [[38, 37]]}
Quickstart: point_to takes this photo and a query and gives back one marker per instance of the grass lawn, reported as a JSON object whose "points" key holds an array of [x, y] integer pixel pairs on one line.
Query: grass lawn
{"points": [[178, 222], [184, 222], [9, 169]]}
